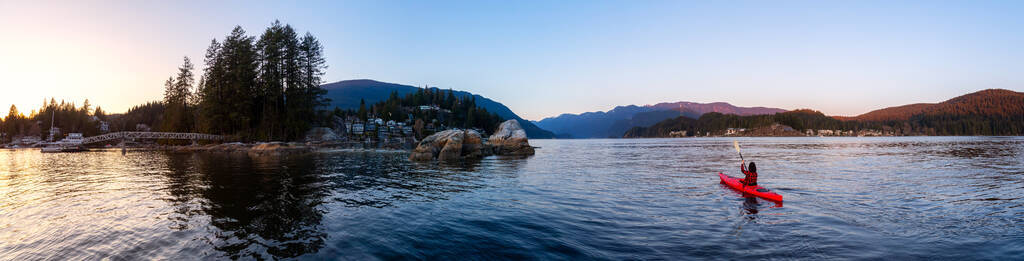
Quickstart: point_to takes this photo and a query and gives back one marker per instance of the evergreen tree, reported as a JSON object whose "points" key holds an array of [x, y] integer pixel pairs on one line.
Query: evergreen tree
{"points": [[13, 125], [184, 82], [177, 94], [229, 92], [362, 109], [100, 114], [170, 91], [272, 49]]}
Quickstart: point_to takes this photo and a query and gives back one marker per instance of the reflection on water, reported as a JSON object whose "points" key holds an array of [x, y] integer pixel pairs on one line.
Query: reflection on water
{"points": [[870, 198], [273, 206]]}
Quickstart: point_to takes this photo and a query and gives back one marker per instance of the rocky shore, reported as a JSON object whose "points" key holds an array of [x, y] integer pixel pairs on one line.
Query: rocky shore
{"points": [[448, 145], [257, 149], [510, 139]]}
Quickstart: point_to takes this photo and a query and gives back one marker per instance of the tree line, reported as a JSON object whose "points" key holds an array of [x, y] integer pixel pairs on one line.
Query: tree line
{"points": [[252, 89], [717, 123], [65, 116], [936, 124]]}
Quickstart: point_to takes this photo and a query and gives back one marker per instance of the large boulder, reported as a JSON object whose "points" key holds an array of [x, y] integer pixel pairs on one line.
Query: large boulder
{"points": [[510, 139], [473, 145], [450, 145], [452, 149]]}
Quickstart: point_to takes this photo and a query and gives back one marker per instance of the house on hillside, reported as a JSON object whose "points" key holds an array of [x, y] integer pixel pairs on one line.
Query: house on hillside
{"points": [[677, 134], [357, 129], [734, 131]]}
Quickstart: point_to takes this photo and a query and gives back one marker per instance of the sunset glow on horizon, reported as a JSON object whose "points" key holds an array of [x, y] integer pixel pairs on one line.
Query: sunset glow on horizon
{"points": [[540, 59]]}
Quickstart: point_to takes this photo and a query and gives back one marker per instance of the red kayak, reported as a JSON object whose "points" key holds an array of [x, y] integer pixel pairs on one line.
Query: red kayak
{"points": [[758, 191]]}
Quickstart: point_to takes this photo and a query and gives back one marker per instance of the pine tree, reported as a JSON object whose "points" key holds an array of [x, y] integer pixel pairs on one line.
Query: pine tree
{"points": [[265, 89], [100, 114], [313, 66], [229, 93], [362, 109], [184, 82], [177, 93], [12, 124], [272, 53], [170, 91]]}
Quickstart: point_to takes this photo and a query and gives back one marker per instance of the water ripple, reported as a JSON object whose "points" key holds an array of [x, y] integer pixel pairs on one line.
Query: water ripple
{"points": [[846, 198]]}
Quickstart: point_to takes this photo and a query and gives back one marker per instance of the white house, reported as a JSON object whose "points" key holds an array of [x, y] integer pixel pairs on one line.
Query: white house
{"points": [[734, 131]]}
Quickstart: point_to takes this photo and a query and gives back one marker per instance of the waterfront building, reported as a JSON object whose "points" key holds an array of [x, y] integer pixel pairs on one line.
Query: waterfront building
{"points": [[357, 129], [734, 131], [73, 139], [432, 107]]}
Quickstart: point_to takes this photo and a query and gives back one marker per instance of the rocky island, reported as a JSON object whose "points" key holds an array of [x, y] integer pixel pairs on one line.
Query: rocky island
{"points": [[455, 144]]}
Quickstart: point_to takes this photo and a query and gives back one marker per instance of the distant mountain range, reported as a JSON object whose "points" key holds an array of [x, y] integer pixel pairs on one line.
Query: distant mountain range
{"points": [[987, 112], [615, 122], [347, 94]]}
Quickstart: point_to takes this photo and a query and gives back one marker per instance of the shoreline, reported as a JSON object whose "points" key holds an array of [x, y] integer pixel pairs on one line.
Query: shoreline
{"points": [[255, 149]]}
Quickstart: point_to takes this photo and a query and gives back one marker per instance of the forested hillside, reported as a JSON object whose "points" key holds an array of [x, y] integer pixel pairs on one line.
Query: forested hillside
{"points": [[348, 94], [426, 106], [987, 112]]}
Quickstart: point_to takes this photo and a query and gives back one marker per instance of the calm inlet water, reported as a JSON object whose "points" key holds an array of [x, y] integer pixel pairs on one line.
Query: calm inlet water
{"points": [[893, 198]]}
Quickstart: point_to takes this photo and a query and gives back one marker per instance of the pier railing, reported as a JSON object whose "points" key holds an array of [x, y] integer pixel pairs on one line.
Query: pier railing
{"points": [[133, 135]]}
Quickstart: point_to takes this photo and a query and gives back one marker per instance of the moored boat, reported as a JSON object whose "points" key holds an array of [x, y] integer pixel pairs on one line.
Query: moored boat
{"points": [[72, 143]]}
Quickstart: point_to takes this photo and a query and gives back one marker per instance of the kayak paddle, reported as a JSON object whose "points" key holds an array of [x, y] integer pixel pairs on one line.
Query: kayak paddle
{"points": [[736, 144]]}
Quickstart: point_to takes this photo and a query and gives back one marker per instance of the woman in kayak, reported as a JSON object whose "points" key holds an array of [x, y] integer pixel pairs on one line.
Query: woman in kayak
{"points": [[751, 179]]}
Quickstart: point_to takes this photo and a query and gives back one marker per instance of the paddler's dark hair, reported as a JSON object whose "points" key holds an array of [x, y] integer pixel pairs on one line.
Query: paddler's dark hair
{"points": [[752, 168]]}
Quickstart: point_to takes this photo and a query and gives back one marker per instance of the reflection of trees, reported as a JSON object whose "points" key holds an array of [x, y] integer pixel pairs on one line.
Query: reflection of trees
{"points": [[184, 184], [384, 179], [271, 207], [256, 205]]}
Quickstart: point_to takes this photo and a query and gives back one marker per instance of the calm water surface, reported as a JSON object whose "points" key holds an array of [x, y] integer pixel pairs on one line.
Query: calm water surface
{"points": [[857, 198]]}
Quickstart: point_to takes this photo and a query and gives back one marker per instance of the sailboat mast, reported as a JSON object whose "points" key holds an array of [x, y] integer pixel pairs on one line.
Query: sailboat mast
{"points": [[53, 115]]}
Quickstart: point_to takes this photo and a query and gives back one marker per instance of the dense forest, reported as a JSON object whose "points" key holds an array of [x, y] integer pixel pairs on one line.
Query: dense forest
{"points": [[987, 112], [65, 116], [443, 106], [716, 123], [149, 115], [251, 89]]}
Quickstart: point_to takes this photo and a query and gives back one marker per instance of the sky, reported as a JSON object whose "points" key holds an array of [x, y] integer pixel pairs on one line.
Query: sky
{"points": [[541, 58]]}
